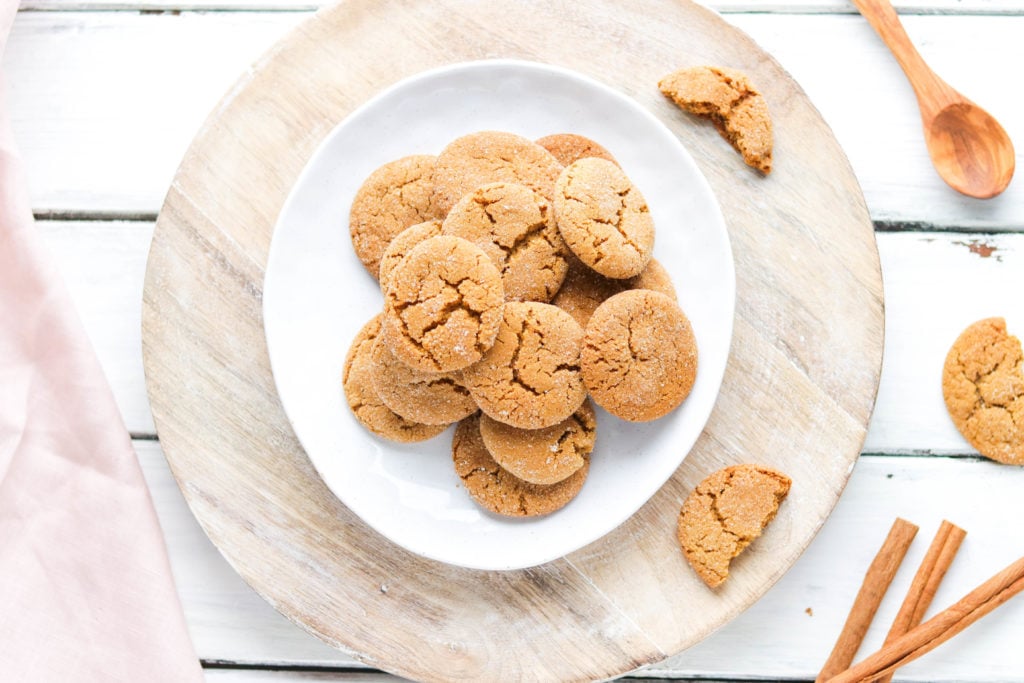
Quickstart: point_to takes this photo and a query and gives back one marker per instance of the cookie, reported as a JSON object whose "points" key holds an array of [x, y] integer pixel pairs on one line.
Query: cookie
{"points": [[569, 147], [983, 385], [443, 305], [515, 228], [639, 358], [655, 278], [603, 218], [490, 157], [530, 378], [495, 489], [542, 456], [395, 196], [584, 289], [734, 106], [726, 512], [402, 245], [363, 399], [427, 398]]}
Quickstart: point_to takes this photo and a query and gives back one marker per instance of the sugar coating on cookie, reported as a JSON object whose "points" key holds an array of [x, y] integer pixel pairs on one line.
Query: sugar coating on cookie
{"points": [[542, 456], [362, 398], [402, 244], [426, 397], [725, 513], [604, 218], [515, 228], [497, 490], [443, 305], [584, 289], [639, 358], [983, 386], [730, 101], [393, 197], [530, 378], [570, 147], [490, 157]]}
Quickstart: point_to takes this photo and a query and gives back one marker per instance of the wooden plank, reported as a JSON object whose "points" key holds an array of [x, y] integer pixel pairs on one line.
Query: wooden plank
{"points": [[102, 133], [103, 263], [724, 6], [228, 675], [776, 638]]}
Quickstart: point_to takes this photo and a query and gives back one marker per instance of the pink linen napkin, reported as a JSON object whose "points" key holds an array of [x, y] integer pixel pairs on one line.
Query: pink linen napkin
{"points": [[86, 592]]}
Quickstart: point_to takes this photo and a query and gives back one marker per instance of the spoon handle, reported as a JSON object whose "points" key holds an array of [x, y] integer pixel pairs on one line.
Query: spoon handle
{"points": [[932, 92]]}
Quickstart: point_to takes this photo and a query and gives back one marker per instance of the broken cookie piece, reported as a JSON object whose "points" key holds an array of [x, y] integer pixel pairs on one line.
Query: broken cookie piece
{"points": [[725, 513], [727, 98]]}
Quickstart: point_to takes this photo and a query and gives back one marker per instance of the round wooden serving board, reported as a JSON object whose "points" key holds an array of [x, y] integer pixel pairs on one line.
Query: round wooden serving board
{"points": [[797, 394]]}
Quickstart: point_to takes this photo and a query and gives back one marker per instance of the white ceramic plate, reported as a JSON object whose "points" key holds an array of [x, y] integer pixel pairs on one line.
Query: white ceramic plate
{"points": [[317, 296]]}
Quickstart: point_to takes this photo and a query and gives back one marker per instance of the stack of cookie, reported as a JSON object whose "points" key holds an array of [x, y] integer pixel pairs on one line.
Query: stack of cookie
{"points": [[517, 278]]}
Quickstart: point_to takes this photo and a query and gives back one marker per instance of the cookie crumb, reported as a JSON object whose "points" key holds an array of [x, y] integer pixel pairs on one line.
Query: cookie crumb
{"points": [[809, 612]]}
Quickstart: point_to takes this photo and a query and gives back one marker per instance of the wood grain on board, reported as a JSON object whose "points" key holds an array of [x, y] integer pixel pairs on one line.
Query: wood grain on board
{"points": [[797, 394]]}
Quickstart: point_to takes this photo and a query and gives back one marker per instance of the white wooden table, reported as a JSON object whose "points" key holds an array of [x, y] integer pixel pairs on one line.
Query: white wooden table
{"points": [[106, 94]]}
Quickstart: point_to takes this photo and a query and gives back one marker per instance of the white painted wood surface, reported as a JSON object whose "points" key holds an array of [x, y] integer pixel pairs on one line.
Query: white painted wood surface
{"points": [[105, 103], [104, 133]]}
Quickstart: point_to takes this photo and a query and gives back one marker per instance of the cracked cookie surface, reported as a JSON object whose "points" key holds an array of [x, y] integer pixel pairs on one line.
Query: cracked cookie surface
{"points": [[584, 289], [639, 358], [443, 305], [983, 386], [725, 513], [603, 218], [514, 227], [363, 400], [498, 490], [730, 101], [393, 197], [490, 157], [542, 456], [530, 378], [402, 244], [570, 147], [428, 398]]}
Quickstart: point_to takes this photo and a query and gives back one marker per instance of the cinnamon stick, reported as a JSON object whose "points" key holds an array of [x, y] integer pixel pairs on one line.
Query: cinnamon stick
{"points": [[926, 582], [872, 590], [940, 628]]}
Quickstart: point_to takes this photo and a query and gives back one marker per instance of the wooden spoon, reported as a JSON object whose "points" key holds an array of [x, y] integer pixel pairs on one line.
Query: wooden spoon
{"points": [[968, 147]]}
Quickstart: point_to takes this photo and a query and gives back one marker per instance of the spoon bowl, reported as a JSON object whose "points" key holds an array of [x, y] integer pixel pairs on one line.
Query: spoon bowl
{"points": [[968, 147], [972, 152]]}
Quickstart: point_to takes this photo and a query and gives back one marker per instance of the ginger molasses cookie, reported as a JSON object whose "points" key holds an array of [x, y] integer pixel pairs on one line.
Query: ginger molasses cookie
{"points": [[363, 399], [725, 513], [569, 147], [584, 289], [395, 196], [530, 378], [443, 305], [730, 101], [604, 218], [490, 157], [425, 397], [542, 456], [402, 245], [496, 489], [639, 358], [983, 384], [655, 278], [515, 228]]}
